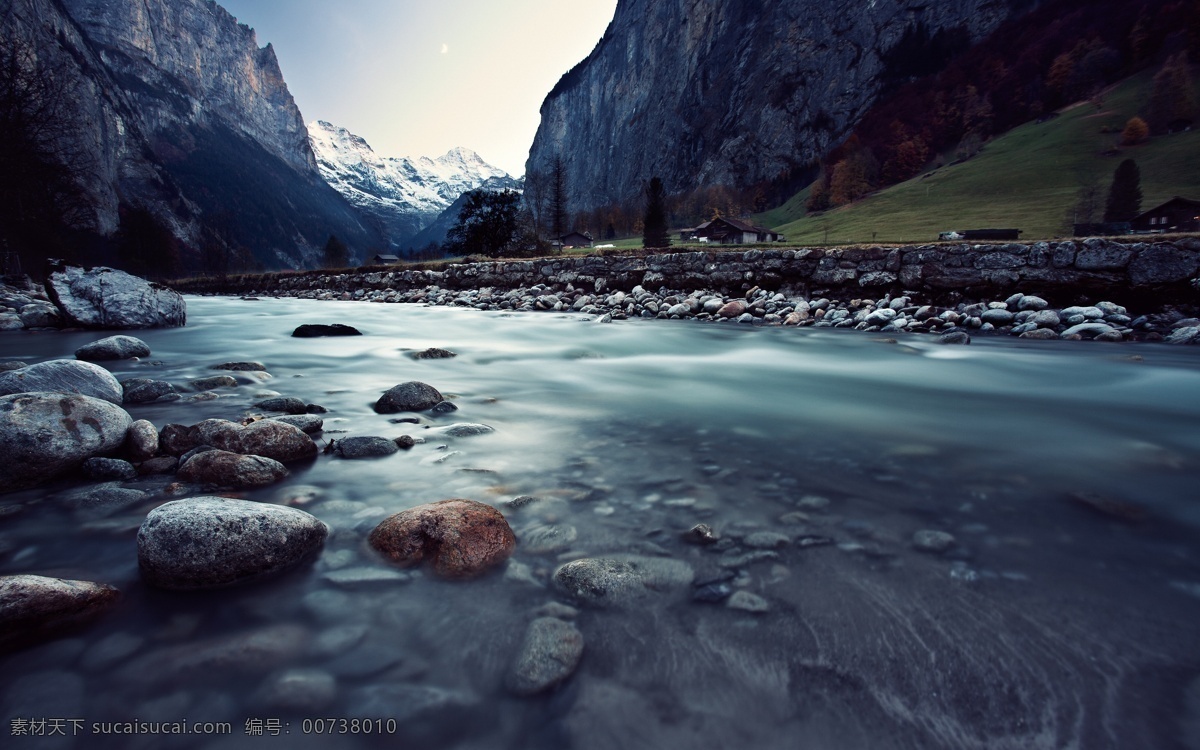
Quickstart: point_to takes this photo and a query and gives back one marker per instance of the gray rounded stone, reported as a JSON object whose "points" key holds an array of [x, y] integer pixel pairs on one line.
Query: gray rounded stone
{"points": [[40, 315], [213, 382], [113, 347], [33, 608], [621, 580], [467, 429], [997, 317], [144, 391], [549, 654], [410, 396], [307, 423], [102, 469], [286, 404], [63, 376], [366, 447], [142, 440], [45, 435], [954, 337], [1030, 302], [228, 469], [748, 602], [212, 542]]}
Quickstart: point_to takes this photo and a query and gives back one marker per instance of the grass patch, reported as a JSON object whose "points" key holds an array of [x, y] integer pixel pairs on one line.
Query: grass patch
{"points": [[1027, 178]]}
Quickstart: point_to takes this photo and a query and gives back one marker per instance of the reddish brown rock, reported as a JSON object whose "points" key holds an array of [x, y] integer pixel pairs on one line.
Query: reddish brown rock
{"points": [[461, 538], [732, 309], [35, 608]]}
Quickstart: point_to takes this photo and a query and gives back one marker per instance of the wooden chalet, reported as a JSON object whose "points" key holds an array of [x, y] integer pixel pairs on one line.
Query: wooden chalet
{"points": [[1176, 215], [383, 260], [734, 232], [575, 239]]}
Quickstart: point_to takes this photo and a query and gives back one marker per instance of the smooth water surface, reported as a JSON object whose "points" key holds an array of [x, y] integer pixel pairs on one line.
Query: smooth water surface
{"points": [[1048, 625]]}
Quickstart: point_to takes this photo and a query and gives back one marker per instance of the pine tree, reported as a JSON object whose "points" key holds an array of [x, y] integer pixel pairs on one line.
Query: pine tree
{"points": [[335, 254], [1125, 194], [1172, 97], [654, 222]]}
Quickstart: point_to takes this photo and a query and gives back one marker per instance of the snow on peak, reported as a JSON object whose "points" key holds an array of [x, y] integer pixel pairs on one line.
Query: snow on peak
{"points": [[420, 186]]}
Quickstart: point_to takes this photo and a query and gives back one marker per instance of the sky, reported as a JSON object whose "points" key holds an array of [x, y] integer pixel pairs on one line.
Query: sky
{"points": [[417, 78]]}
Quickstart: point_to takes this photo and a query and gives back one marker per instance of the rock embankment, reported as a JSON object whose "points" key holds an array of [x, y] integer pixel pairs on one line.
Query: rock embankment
{"points": [[1040, 290]]}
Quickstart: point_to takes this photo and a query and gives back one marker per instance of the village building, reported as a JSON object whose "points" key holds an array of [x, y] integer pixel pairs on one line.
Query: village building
{"points": [[1176, 215], [730, 232], [383, 260], [575, 239]]}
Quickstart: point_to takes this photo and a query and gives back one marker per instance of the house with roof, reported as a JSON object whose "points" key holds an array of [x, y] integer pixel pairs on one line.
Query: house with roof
{"points": [[1176, 215], [575, 239], [733, 232], [383, 260]]}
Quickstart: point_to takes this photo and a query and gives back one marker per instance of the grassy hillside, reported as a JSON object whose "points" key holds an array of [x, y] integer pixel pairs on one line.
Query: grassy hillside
{"points": [[1027, 178]]}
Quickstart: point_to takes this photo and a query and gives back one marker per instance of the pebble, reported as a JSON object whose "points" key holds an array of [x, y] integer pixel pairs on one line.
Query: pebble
{"points": [[748, 602], [549, 654], [928, 540], [365, 447]]}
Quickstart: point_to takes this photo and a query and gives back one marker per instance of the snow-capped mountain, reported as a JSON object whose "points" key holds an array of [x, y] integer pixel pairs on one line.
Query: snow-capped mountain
{"points": [[405, 195]]}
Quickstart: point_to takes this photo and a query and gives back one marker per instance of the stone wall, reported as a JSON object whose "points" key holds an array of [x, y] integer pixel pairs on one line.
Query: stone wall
{"points": [[1147, 274]]}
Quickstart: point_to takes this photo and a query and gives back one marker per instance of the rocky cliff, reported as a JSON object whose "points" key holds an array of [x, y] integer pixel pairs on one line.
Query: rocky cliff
{"points": [[704, 93], [185, 115]]}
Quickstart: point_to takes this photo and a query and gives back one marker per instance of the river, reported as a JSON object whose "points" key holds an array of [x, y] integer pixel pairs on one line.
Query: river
{"points": [[1048, 624]]}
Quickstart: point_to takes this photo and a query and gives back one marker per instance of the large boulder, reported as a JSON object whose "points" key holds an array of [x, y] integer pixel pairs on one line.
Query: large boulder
{"points": [[46, 435], [33, 608], [267, 437], [63, 376], [212, 542], [107, 298], [227, 469], [410, 396], [461, 538], [113, 347], [621, 580]]}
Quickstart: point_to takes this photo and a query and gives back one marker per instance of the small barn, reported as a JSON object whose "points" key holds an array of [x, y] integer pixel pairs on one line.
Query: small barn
{"points": [[735, 232], [383, 260], [575, 239], [1176, 215]]}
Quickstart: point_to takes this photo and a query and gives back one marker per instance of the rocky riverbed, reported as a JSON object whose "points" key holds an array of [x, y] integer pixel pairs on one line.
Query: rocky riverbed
{"points": [[660, 535]]}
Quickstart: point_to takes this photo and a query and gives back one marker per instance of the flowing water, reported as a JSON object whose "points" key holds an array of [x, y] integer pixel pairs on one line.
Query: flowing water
{"points": [[1048, 625]]}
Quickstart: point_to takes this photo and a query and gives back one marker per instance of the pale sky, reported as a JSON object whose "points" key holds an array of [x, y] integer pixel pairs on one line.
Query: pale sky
{"points": [[419, 77]]}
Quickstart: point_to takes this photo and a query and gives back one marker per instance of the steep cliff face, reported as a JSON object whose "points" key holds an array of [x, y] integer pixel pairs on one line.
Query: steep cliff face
{"points": [[183, 114], [704, 93]]}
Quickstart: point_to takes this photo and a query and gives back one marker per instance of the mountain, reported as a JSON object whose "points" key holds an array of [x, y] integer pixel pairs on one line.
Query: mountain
{"points": [[181, 114], [402, 195], [734, 92]]}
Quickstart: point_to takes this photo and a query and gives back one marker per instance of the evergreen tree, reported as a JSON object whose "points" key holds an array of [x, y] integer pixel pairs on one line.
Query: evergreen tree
{"points": [[654, 221], [1125, 194], [335, 254], [1172, 97], [489, 223]]}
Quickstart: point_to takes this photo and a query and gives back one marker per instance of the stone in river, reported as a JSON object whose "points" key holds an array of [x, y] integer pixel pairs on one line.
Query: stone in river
{"points": [[106, 298], [101, 468], [241, 367], [214, 381], [46, 435], [285, 404], [444, 407], [63, 376], [701, 533], [954, 337], [365, 447], [113, 347], [766, 540], [467, 429], [433, 353], [929, 540], [144, 391], [1109, 506], [620, 580], [549, 654], [748, 602], [212, 542], [316, 330], [300, 690], [266, 437], [410, 396], [34, 608], [104, 500], [227, 469], [461, 538], [141, 441], [308, 423]]}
